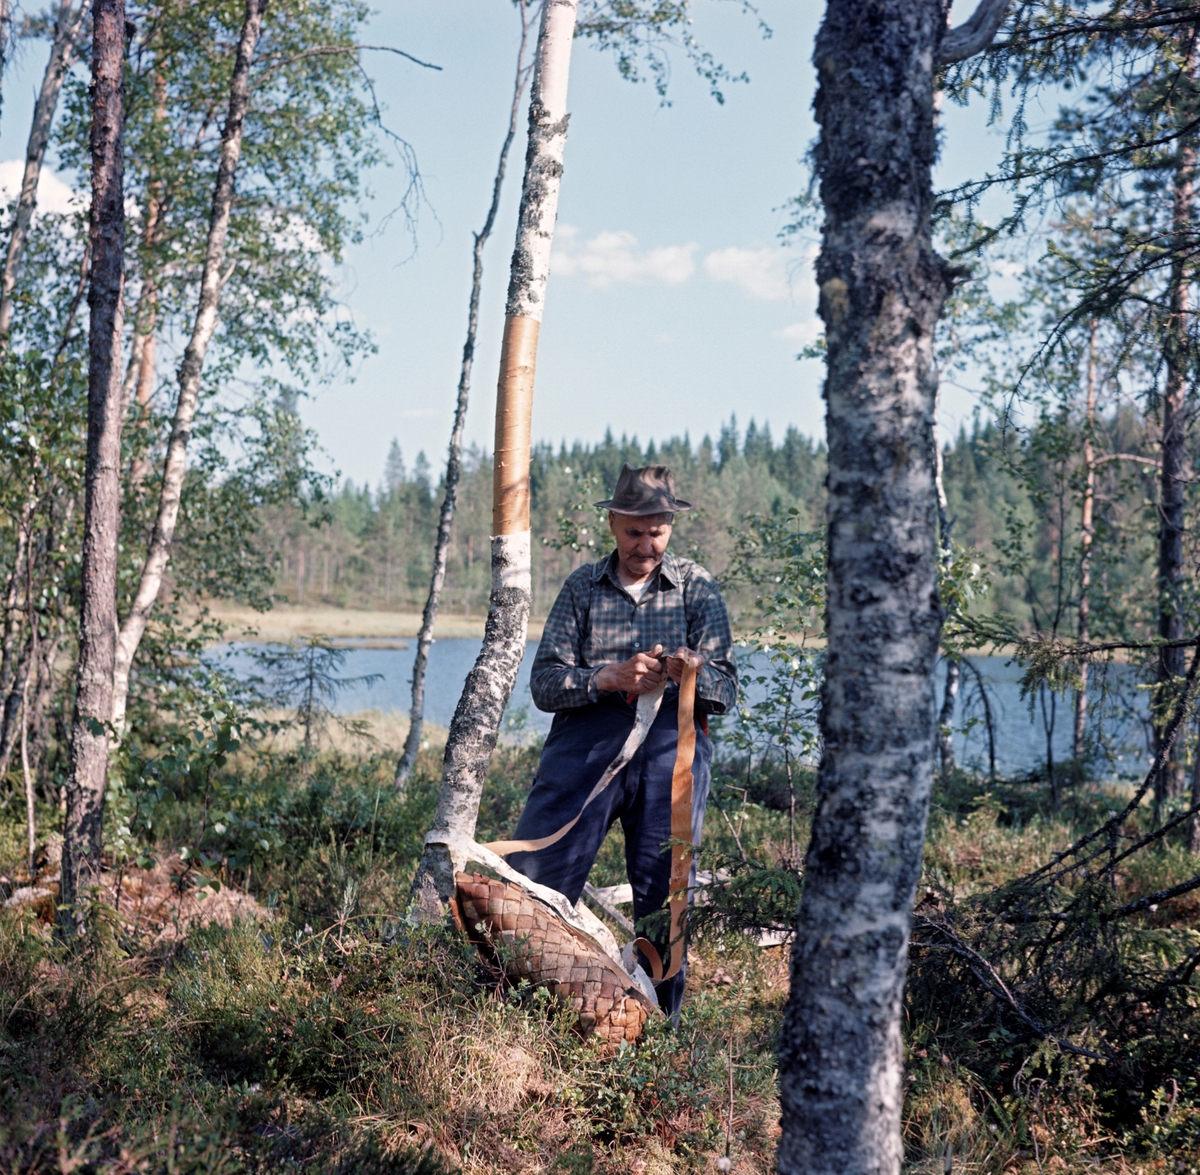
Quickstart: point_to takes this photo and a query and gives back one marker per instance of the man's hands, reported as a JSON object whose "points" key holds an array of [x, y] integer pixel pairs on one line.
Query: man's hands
{"points": [[676, 661], [643, 672]]}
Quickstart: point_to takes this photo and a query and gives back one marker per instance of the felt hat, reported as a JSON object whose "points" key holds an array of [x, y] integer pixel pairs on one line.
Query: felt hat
{"points": [[649, 490]]}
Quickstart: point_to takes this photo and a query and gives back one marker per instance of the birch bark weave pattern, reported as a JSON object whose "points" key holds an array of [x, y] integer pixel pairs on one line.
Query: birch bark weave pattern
{"points": [[531, 942]]}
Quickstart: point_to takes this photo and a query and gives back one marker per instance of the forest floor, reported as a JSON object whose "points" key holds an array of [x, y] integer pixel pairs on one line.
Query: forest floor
{"points": [[257, 1004]]}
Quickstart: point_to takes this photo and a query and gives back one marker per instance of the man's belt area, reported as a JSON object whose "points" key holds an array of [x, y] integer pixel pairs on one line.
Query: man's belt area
{"points": [[681, 812]]}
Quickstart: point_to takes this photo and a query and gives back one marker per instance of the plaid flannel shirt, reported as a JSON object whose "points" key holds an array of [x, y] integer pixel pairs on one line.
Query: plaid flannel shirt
{"points": [[595, 622]]}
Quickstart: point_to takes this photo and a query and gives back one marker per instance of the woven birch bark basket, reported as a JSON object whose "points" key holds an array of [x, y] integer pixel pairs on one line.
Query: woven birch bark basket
{"points": [[530, 941]]}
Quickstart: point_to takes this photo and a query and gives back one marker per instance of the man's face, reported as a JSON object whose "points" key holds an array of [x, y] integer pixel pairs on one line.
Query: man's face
{"points": [[641, 542]]}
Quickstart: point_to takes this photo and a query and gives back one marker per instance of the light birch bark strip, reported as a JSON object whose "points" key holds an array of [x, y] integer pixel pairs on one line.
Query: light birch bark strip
{"points": [[476, 723], [175, 465], [62, 50], [416, 721], [84, 818]]}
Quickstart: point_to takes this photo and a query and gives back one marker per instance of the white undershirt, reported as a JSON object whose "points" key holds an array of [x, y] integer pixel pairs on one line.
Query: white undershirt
{"points": [[636, 590]]}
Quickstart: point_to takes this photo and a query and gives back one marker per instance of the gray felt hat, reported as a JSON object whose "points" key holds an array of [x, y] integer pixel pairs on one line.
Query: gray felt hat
{"points": [[649, 490]]}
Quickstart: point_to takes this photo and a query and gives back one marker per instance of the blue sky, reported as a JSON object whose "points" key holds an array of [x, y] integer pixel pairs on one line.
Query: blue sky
{"points": [[671, 303]]}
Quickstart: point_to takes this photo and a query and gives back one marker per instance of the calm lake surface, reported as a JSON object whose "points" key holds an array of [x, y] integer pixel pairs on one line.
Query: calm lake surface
{"points": [[1020, 737]]}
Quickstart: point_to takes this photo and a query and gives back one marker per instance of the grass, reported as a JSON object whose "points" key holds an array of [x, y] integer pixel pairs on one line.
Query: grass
{"points": [[329, 1036]]}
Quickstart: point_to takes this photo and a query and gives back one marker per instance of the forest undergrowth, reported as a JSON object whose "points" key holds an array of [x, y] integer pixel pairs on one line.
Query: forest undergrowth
{"points": [[313, 1029]]}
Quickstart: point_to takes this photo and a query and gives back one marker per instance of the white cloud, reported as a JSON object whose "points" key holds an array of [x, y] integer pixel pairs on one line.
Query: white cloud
{"points": [[614, 256], [761, 273], [52, 196], [800, 332]]}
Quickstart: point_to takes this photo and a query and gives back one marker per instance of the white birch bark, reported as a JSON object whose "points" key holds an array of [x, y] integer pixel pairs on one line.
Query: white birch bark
{"points": [[882, 288], [476, 723], [159, 552], [62, 51]]}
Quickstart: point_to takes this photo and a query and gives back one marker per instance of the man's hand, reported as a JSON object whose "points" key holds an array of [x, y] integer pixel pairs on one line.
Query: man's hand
{"points": [[641, 674], [676, 661]]}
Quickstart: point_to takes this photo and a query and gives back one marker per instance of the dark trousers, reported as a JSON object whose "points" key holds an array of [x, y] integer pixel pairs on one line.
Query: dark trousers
{"points": [[581, 744]]}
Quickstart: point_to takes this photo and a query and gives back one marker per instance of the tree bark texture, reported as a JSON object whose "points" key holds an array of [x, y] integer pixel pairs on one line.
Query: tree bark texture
{"points": [[1171, 571], [882, 288], [171, 492], [82, 832], [441, 548], [62, 50], [1087, 530], [945, 722], [476, 723]]}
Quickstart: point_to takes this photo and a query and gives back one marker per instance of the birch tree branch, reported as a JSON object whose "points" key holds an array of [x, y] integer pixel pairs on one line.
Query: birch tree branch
{"points": [[975, 35]]}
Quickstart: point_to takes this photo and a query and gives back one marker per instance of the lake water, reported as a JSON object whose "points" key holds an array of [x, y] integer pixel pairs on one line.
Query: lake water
{"points": [[1020, 737]]}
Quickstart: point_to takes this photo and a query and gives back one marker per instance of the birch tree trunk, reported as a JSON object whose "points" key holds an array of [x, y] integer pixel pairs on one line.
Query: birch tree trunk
{"points": [[412, 744], [1086, 534], [945, 722], [1171, 572], [476, 723], [159, 551], [62, 51], [83, 824], [882, 288]]}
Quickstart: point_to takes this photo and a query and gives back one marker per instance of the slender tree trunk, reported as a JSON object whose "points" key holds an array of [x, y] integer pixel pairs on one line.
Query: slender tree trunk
{"points": [[1086, 535], [142, 372], [62, 50], [26, 773], [476, 723], [412, 743], [83, 823], [882, 288], [1171, 571], [945, 722], [175, 465]]}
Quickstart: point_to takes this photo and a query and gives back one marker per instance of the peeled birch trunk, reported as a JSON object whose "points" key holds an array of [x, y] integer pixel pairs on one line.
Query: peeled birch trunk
{"points": [[476, 723], [1175, 471], [170, 494], [83, 823], [882, 288], [62, 50], [416, 723]]}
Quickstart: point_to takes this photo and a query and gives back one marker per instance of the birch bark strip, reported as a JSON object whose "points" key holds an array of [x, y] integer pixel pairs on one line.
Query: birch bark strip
{"points": [[412, 744], [159, 552], [83, 823], [476, 723], [62, 50]]}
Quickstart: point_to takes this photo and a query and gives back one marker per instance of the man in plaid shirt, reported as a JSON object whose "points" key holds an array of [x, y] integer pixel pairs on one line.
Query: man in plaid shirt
{"points": [[603, 646]]}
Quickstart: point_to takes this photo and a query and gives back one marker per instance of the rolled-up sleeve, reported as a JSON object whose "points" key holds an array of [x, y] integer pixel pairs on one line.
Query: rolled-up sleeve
{"points": [[558, 681], [710, 636]]}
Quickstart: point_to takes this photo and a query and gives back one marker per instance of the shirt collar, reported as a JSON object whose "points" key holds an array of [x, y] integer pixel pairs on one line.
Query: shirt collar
{"points": [[668, 571]]}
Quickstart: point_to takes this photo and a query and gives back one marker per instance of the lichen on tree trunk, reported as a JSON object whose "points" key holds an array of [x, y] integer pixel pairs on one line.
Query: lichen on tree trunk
{"points": [[882, 288], [476, 723]]}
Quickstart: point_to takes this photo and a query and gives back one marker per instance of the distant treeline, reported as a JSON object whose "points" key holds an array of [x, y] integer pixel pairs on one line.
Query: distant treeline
{"points": [[1011, 495], [371, 547]]}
